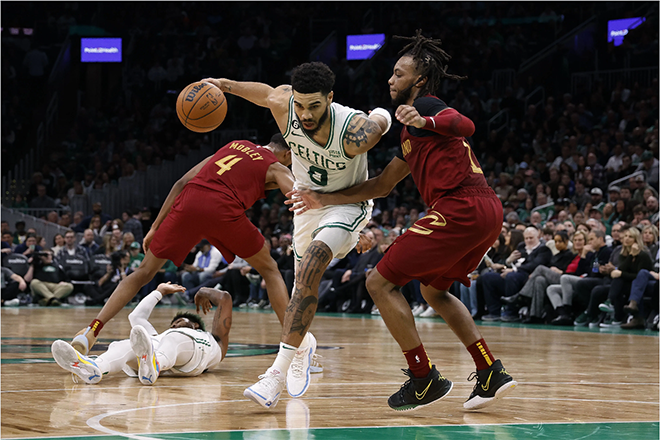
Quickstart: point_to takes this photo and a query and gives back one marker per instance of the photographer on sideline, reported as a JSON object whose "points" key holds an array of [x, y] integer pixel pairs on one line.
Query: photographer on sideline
{"points": [[47, 279], [116, 271]]}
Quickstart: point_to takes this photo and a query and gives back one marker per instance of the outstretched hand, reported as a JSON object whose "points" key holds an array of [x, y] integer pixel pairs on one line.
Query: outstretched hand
{"points": [[169, 288], [302, 200]]}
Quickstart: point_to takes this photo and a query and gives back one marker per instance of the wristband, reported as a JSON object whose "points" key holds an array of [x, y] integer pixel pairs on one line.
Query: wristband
{"points": [[384, 113], [157, 294]]}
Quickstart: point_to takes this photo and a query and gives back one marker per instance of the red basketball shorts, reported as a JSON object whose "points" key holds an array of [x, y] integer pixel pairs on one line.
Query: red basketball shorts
{"points": [[448, 243], [200, 213]]}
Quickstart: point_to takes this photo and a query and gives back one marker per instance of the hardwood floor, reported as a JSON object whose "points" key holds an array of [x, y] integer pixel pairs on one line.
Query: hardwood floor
{"points": [[567, 378]]}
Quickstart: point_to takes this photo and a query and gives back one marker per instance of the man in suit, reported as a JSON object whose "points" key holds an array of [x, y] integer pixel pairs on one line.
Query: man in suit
{"points": [[521, 263]]}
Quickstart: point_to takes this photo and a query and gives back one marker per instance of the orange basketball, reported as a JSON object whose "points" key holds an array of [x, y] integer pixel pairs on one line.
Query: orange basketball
{"points": [[201, 107]]}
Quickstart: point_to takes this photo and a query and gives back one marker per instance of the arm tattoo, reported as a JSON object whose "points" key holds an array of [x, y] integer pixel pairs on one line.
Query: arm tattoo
{"points": [[358, 131], [305, 296]]}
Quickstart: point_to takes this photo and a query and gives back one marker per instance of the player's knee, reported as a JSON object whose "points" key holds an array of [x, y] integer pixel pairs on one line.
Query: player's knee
{"points": [[375, 285]]}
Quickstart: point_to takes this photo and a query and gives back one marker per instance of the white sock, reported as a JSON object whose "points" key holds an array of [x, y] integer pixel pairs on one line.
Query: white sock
{"points": [[284, 358]]}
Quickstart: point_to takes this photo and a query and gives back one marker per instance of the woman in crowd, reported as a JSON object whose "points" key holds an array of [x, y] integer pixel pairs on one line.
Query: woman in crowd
{"points": [[634, 257], [58, 243]]}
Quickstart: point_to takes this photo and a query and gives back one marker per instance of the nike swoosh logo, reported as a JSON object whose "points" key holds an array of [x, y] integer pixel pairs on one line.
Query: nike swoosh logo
{"points": [[421, 395], [296, 134], [487, 386]]}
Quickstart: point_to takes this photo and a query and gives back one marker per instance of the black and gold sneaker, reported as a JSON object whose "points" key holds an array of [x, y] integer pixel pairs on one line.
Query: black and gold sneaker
{"points": [[420, 391], [492, 383]]}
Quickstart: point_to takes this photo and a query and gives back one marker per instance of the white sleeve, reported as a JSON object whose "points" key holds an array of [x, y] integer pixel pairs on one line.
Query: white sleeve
{"points": [[140, 315], [216, 257]]}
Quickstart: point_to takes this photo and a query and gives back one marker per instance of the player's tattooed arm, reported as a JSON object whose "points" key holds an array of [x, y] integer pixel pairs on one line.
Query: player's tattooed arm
{"points": [[302, 307], [204, 300], [361, 135]]}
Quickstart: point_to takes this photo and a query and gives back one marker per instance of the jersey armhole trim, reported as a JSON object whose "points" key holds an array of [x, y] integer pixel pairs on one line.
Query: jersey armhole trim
{"points": [[289, 119]]}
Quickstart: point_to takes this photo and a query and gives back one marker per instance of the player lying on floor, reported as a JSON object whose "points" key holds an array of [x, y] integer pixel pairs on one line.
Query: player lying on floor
{"points": [[184, 349]]}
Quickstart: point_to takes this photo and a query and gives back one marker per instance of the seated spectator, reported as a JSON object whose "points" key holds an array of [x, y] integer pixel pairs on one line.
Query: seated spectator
{"points": [[12, 284], [534, 291], [127, 240], [47, 280], [20, 234], [97, 210], [653, 208], [29, 247], [116, 271], [111, 227], [206, 261], [58, 244], [522, 263], [634, 257], [88, 242], [133, 225], [581, 290], [645, 283], [649, 165], [136, 256], [42, 201], [110, 244], [70, 247], [7, 243]]}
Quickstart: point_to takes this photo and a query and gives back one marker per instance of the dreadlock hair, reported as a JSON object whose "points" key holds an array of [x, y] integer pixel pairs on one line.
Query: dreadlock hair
{"points": [[428, 59], [312, 77], [190, 317]]}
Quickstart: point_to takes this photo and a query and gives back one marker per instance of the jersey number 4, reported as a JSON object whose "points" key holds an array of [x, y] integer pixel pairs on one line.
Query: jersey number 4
{"points": [[226, 163]]}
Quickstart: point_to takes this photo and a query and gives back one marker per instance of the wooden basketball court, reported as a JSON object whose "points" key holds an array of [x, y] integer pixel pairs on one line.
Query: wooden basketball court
{"points": [[572, 384]]}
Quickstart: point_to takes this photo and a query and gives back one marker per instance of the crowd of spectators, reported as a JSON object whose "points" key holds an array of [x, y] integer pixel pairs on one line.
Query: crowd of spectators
{"points": [[552, 166]]}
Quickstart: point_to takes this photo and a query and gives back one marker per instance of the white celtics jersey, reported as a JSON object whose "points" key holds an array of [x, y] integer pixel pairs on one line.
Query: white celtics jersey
{"points": [[324, 169], [208, 353]]}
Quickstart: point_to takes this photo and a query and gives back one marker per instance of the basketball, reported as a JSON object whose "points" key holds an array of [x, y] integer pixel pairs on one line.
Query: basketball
{"points": [[201, 107]]}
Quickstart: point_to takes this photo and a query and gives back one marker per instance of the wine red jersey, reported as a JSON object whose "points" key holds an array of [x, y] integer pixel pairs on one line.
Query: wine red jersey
{"points": [[239, 170], [438, 163]]}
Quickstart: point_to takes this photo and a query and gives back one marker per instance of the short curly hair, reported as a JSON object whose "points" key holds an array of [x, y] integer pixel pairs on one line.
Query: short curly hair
{"points": [[312, 77], [192, 317]]}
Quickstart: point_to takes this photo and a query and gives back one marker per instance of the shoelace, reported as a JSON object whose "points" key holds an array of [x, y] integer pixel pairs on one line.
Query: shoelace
{"points": [[316, 360], [269, 380], [408, 373], [472, 377], [297, 365]]}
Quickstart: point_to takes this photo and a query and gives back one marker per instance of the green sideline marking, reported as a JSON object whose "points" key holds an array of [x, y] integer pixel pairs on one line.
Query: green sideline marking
{"points": [[559, 431]]}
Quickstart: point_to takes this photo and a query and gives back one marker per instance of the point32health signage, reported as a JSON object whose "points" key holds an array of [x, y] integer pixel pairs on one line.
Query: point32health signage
{"points": [[618, 29], [100, 50], [363, 47]]}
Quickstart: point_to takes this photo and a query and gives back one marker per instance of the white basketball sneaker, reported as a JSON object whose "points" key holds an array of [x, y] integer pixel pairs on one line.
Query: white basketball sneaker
{"points": [[71, 360], [148, 367], [297, 378], [268, 390]]}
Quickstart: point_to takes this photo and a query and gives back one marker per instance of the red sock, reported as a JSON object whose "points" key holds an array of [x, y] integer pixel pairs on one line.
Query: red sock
{"points": [[418, 361], [96, 327], [481, 354]]}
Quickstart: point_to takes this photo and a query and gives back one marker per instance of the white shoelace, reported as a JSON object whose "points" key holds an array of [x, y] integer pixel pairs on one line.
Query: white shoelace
{"points": [[270, 381], [297, 364]]}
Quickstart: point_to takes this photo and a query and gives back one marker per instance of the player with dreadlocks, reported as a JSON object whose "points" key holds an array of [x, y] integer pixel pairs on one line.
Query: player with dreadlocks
{"points": [[184, 349], [463, 220]]}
